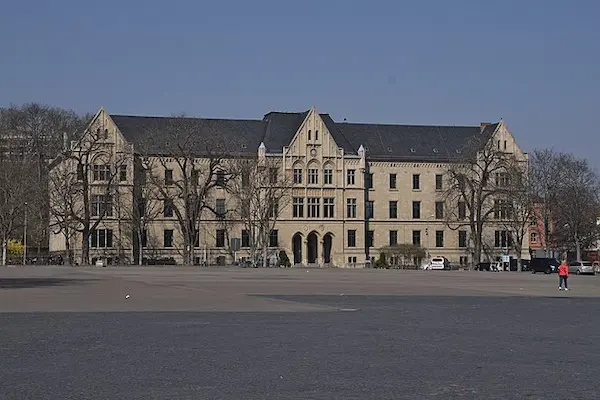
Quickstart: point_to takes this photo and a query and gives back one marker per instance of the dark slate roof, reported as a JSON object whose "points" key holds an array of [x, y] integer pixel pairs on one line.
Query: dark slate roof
{"points": [[234, 137], [384, 142], [415, 142]]}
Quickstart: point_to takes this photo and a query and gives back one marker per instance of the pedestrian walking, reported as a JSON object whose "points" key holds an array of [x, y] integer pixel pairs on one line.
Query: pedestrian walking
{"points": [[563, 275]]}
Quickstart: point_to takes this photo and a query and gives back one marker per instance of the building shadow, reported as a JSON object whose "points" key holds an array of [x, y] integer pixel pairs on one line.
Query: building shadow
{"points": [[24, 283]]}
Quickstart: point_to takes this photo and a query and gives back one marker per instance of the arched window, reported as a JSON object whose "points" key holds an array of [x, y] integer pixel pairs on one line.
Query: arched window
{"points": [[328, 174], [298, 173]]}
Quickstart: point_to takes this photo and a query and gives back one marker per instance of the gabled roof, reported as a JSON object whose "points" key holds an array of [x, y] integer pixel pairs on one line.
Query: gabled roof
{"points": [[276, 130]]}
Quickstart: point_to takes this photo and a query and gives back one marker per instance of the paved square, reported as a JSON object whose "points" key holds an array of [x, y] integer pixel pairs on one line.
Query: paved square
{"points": [[198, 333]]}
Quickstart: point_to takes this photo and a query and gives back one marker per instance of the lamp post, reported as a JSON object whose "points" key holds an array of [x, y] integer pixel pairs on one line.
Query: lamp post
{"points": [[25, 237]]}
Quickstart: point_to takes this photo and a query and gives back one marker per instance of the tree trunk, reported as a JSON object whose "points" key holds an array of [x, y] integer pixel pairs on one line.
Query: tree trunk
{"points": [[4, 245], [140, 247], [85, 247], [578, 247]]}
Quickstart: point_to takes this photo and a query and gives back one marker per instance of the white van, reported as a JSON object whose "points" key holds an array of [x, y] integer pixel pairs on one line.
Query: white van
{"points": [[438, 263]]}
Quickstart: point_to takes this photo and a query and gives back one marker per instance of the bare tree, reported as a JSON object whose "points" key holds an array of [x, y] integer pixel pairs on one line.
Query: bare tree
{"points": [[96, 165], [474, 186], [577, 206], [547, 177], [260, 193], [517, 211], [185, 162], [38, 133]]}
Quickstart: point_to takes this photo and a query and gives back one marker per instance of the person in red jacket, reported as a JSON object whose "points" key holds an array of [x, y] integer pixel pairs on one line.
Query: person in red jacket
{"points": [[563, 275]]}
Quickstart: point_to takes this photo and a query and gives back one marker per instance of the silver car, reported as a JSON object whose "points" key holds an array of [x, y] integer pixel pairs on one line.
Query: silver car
{"points": [[581, 267]]}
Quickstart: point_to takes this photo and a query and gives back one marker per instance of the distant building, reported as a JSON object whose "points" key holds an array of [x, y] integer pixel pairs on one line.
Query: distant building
{"points": [[356, 187]]}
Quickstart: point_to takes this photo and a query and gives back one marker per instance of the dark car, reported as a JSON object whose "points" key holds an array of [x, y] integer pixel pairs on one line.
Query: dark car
{"points": [[545, 265]]}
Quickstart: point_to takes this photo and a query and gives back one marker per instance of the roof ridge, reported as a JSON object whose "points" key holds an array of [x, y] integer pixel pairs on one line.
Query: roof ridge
{"points": [[185, 117]]}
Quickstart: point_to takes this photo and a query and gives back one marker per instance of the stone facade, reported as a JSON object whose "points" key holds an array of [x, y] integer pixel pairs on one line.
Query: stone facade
{"points": [[331, 188]]}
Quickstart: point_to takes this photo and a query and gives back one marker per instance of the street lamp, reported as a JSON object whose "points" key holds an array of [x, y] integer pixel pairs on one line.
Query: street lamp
{"points": [[25, 237]]}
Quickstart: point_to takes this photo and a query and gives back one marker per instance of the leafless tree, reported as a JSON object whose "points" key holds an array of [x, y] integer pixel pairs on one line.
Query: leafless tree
{"points": [[547, 177], [185, 161], [96, 165], [260, 193], [38, 133], [518, 209], [577, 206], [475, 183]]}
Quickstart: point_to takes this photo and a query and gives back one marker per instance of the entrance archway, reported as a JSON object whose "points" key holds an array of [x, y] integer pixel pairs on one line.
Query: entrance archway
{"points": [[327, 245], [311, 247], [297, 248]]}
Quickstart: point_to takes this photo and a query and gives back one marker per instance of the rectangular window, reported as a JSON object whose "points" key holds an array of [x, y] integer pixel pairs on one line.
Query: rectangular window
{"points": [[439, 238], [101, 205], [168, 176], [274, 238], [328, 207], [439, 182], [416, 238], [351, 238], [328, 176], [533, 237], [439, 210], [168, 208], [101, 173], [351, 177], [393, 181], [351, 208], [220, 236], [297, 175], [313, 176], [416, 182], [274, 210], [79, 172], [370, 239], [393, 238], [122, 173], [462, 210], [273, 172], [245, 238], [101, 238], [370, 209], [369, 181], [144, 238], [298, 207], [245, 178], [220, 179], [168, 238], [462, 238], [502, 239], [314, 207], [195, 177], [416, 209], [393, 209], [220, 207]]}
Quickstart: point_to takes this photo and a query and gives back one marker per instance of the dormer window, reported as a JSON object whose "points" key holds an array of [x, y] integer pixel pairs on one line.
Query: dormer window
{"points": [[435, 150], [412, 150]]}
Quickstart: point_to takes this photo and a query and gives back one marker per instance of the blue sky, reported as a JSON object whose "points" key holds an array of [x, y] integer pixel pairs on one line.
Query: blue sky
{"points": [[533, 63]]}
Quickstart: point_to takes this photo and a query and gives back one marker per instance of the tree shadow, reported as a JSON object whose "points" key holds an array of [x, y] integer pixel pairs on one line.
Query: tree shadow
{"points": [[24, 283]]}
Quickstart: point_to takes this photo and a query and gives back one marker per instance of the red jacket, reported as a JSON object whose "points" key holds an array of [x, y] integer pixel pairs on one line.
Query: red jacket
{"points": [[563, 270]]}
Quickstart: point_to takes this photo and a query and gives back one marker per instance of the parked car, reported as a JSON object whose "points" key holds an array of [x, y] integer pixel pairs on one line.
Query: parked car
{"points": [[581, 267], [438, 263], [596, 265], [545, 265]]}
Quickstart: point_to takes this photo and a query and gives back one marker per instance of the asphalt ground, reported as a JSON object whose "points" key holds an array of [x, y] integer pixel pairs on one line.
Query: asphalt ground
{"points": [[191, 333]]}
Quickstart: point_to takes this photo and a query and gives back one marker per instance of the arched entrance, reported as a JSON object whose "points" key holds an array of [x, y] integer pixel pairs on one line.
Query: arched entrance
{"points": [[327, 245], [311, 247], [297, 248]]}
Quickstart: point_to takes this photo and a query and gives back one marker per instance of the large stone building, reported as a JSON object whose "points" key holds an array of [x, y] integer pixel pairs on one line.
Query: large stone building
{"points": [[356, 187]]}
